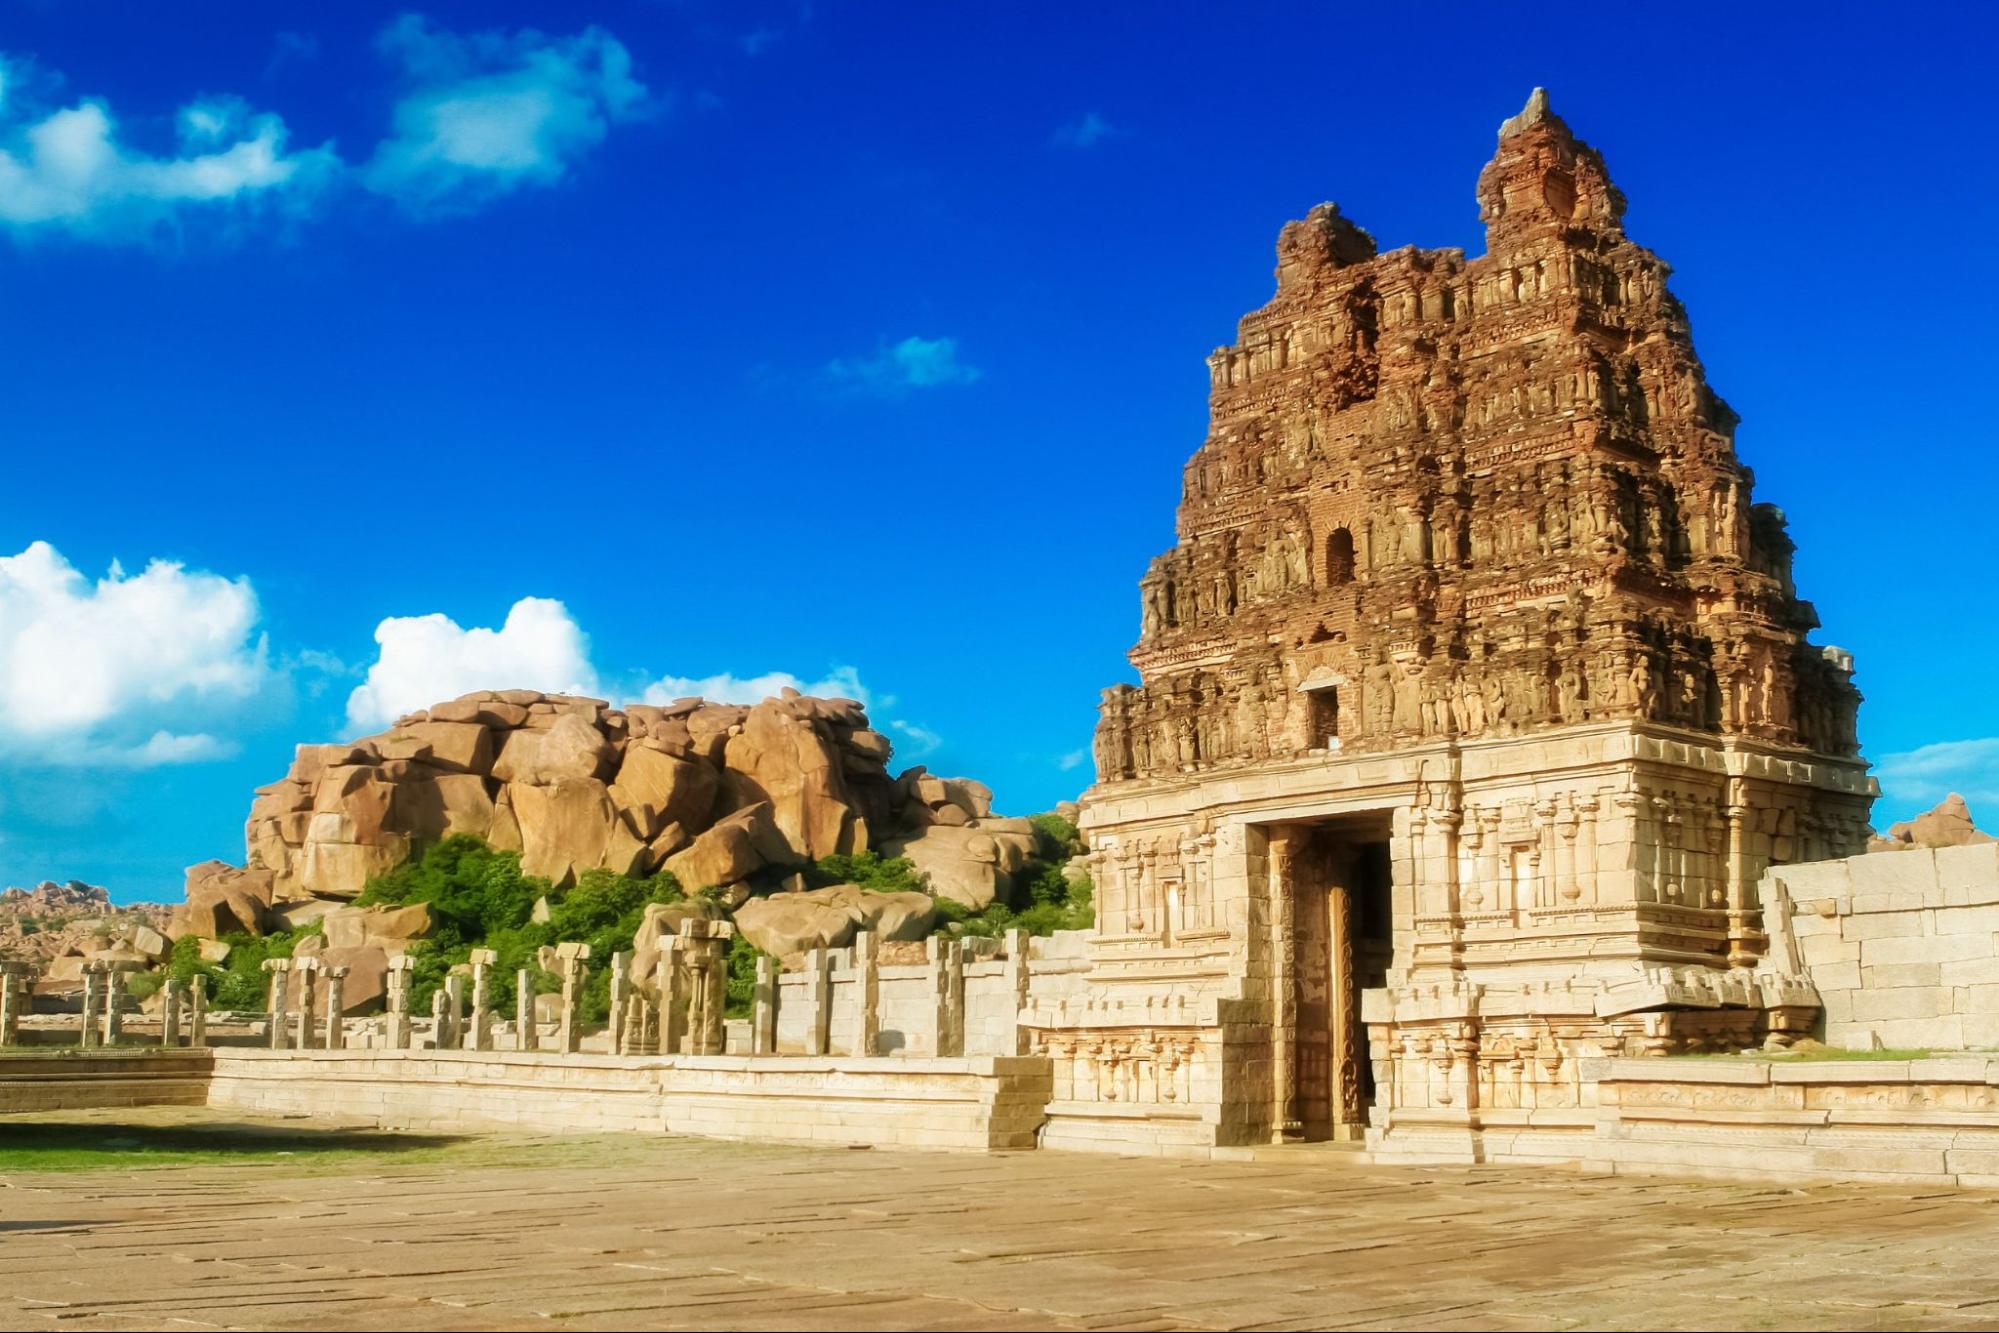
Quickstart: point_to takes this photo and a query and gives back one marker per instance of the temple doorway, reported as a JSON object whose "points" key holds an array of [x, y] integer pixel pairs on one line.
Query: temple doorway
{"points": [[1342, 944]]}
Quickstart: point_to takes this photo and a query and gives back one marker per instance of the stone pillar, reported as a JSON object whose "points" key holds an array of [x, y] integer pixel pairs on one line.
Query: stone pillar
{"points": [[763, 1008], [704, 943], [114, 1000], [170, 1014], [1286, 844], [401, 966], [481, 1037], [868, 981], [526, 1033], [440, 1020], [620, 963], [819, 986], [197, 1023], [307, 972], [573, 958], [93, 990], [279, 1003], [1017, 976], [11, 998], [336, 1017], [670, 978], [454, 1012]]}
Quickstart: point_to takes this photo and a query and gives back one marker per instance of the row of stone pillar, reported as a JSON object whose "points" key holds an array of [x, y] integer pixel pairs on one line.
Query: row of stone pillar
{"points": [[946, 960], [102, 1022], [288, 1029]]}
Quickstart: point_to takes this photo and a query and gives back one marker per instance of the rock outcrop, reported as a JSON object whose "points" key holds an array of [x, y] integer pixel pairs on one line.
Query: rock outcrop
{"points": [[728, 798], [56, 927], [1948, 824]]}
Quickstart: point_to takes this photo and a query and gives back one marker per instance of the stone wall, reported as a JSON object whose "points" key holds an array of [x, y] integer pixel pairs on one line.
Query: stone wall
{"points": [[965, 1104], [74, 1081], [1928, 1122], [1902, 945]]}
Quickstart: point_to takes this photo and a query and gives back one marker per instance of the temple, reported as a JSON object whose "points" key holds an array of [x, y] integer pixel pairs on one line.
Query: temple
{"points": [[1476, 698]]}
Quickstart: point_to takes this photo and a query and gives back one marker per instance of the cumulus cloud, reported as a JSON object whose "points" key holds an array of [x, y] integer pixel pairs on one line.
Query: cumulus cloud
{"points": [[1087, 131], [1914, 780], [920, 741], [839, 683], [490, 113], [124, 670], [913, 363], [72, 171], [428, 659]]}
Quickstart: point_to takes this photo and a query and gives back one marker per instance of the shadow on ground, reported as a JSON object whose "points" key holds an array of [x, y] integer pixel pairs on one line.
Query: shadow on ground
{"points": [[42, 1144]]}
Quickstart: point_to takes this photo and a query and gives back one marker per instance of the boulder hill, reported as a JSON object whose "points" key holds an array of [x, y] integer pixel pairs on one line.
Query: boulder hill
{"points": [[713, 793]]}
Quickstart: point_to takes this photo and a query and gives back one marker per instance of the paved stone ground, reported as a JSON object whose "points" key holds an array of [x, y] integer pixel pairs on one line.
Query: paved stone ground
{"points": [[640, 1233]]}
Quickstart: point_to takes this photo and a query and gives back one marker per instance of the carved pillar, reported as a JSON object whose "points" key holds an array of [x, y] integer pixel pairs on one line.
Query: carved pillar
{"points": [[705, 942], [336, 1006], [573, 957], [527, 1033], [867, 979], [670, 978], [280, 1000], [454, 1012], [480, 1035], [306, 970], [10, 1004], [819, 986], [401, 966], [1744, 913], [197, 1023], [1018, 977], [620, 961], [1349, 1041], [763, 1008], [114, 1001], [440, 1019], [1286, 844], [169, 1015]]}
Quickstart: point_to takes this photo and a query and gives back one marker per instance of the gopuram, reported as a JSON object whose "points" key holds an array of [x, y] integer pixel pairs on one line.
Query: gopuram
{"points": [[1476, 699]]}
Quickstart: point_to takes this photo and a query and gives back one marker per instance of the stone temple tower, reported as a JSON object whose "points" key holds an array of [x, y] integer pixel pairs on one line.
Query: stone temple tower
{"points": [[1476, 697]]}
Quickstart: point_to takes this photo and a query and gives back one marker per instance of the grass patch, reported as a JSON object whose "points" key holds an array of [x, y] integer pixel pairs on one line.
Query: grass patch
{"points": [[83, 1146]]}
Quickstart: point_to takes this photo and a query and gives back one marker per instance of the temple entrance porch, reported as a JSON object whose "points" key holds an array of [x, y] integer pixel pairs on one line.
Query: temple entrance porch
{"points": [[1337, 890]]}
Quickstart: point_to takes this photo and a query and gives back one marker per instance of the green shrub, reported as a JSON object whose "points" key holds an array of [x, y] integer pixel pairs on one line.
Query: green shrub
{"points": [[482, 899], [870, 870]]}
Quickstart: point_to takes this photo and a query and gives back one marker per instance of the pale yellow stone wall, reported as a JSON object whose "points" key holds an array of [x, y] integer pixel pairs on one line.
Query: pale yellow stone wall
{"points": [[977, 1103], [57, 1080], [1902, 946]]}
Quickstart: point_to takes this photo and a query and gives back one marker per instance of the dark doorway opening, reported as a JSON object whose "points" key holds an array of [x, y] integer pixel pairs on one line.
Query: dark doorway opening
{"points": [[1343, 943]]}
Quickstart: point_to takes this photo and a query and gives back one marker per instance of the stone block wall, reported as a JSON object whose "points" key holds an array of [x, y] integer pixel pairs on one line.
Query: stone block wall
{"points": [[35, 1080], [1903, 946]]}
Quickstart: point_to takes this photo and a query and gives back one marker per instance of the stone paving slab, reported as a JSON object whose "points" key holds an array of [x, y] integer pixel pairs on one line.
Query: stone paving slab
{"points": [[631, 1232]]}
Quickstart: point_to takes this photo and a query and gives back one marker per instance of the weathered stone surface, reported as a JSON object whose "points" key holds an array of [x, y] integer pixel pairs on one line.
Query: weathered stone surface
{"points": [[460, 747], [1947, 825], [222, 900], [334, 869], [654, 789], [392, 929], [782, 757], [570, 747], [733, 849], [565, 827], [787, 924]]}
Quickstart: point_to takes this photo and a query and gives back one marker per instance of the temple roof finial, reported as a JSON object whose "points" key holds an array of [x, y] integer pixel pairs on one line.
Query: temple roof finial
{"points": [[1534, 113]]}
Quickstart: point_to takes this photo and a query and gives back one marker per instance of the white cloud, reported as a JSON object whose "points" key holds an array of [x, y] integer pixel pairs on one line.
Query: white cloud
{"points": [[839, 683], [1073, 760], [1087, 131], [489, 113], [922, 741], [70, 170], [1915, 780], [117, 672], [913, 363], [427, 659]]}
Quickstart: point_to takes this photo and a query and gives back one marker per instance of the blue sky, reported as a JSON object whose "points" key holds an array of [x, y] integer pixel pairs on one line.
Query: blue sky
{"points": [[350, 350]]}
